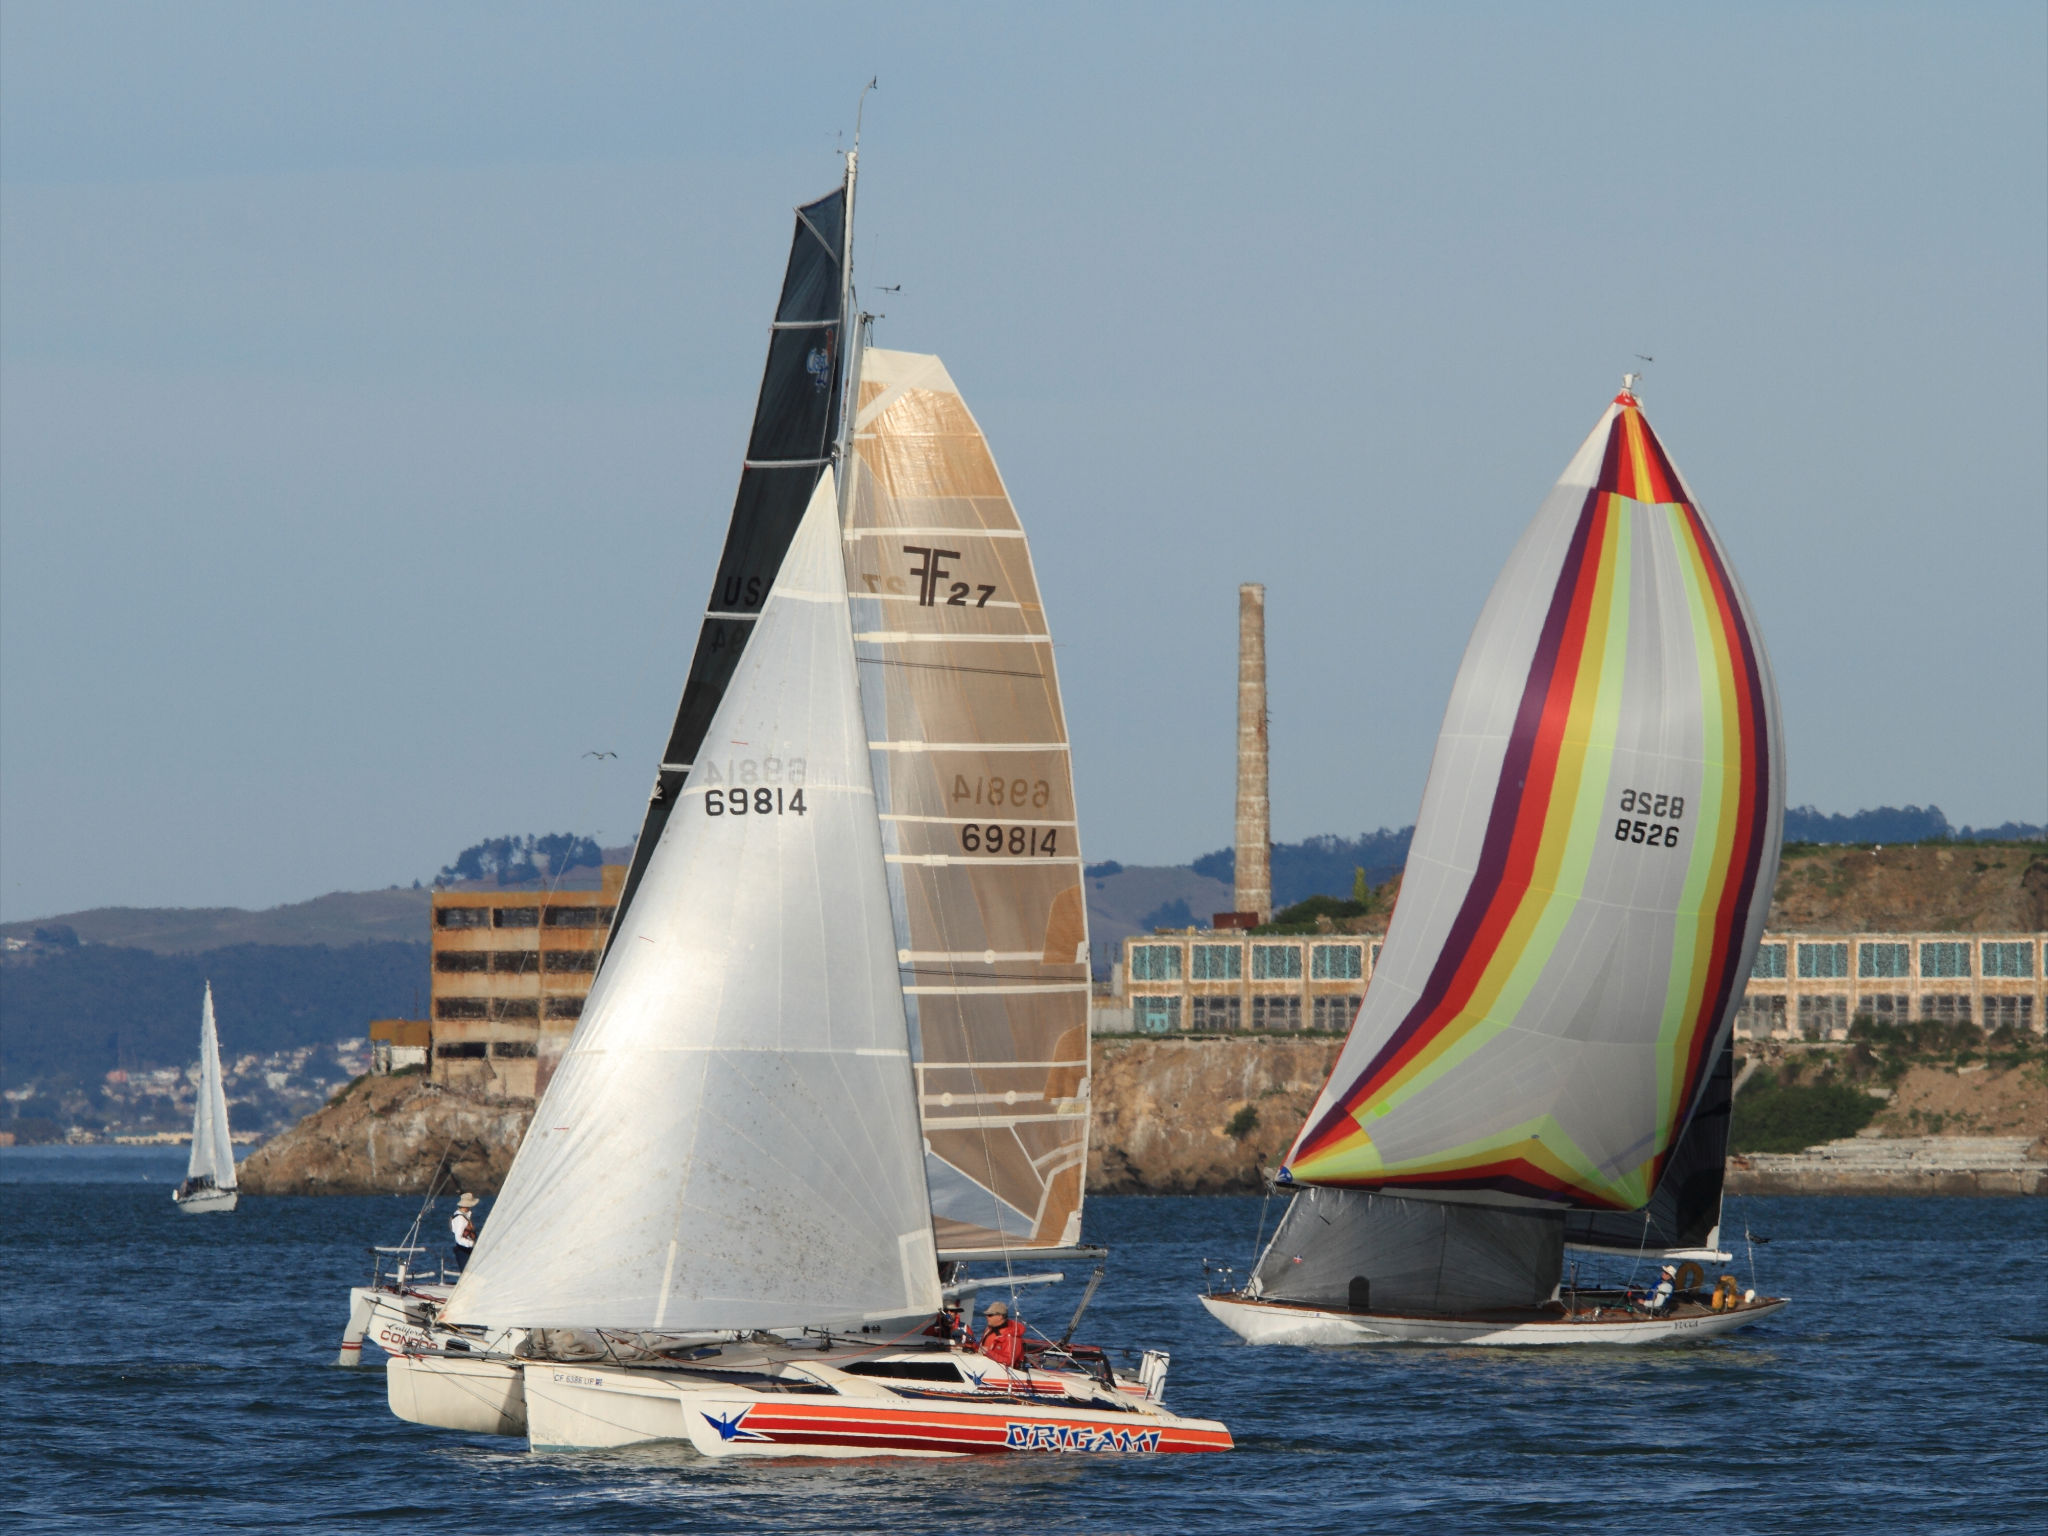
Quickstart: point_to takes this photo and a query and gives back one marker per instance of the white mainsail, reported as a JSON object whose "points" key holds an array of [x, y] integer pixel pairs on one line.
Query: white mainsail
{"points": [[731, 1140], [213, 1152], [976, 793]]}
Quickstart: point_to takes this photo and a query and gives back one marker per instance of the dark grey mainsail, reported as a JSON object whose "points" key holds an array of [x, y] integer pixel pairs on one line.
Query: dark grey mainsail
{"points": [[1388, 1253], [796, 422], [1685, 1211]]}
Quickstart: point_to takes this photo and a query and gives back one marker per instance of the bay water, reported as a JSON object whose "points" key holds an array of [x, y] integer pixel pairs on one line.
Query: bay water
{"points": [[162, 1372]]}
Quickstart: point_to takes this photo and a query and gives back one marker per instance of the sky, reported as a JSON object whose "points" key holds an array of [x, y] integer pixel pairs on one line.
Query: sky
{"points": [[374, 381]]}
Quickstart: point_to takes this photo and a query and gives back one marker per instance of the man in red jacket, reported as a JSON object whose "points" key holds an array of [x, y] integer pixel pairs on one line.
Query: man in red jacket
{"points": [[1003, 1341]]}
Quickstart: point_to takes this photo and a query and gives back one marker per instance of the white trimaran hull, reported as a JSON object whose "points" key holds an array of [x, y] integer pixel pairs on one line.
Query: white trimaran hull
{"points": [[1270, 1322]]}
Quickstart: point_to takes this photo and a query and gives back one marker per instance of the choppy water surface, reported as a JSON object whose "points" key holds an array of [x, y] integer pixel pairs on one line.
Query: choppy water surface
{"points": [[168, 1372]]}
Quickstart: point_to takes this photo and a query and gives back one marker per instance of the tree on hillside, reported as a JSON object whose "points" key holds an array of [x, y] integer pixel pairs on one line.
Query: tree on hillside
{"points": [[516, 860]]}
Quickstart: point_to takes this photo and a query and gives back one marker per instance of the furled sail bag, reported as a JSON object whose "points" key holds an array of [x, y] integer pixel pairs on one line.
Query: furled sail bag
{"points": [[1591, 867]]}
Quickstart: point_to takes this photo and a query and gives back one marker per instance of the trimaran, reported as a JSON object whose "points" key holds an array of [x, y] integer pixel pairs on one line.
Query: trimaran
{"points": [[837, 1048], [1543, 1059]]}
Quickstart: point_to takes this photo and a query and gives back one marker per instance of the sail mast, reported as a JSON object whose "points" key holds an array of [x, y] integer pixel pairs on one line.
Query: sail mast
{"points": [[851, 325]]}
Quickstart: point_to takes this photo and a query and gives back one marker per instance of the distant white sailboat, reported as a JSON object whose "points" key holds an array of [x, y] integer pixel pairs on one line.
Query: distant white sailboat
{"points": [[210, 1174]]}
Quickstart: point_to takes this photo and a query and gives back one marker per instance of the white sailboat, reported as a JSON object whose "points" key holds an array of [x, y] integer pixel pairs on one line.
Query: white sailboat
{"points": [[1541, 1060], [729, 1156], [723, 1224], [210, 1171]]}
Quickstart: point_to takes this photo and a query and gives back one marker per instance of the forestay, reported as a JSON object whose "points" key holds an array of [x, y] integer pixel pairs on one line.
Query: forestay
{"points": [[731, 1138], [213, 1152], [1591, 866], [977, 799]]}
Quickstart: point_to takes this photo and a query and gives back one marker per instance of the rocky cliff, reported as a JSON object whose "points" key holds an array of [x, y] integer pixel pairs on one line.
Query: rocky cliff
{"points": [[1171, 1117], [391, 1135], [1198, 1117]]}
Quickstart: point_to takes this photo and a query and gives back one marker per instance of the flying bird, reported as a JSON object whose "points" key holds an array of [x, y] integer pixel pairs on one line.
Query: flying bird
{"points": [[600, 754]]}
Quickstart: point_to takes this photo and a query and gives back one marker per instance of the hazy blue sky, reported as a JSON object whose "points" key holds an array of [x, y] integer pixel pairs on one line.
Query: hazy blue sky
{"points": [[376, 379]]}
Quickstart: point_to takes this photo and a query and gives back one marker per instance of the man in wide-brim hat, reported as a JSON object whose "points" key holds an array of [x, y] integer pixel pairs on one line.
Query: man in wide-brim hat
{"points": [[463, 1225]]}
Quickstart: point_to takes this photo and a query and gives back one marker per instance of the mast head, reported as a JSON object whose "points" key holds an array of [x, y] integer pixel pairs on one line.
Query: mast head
{"points": [[1631, 383]]}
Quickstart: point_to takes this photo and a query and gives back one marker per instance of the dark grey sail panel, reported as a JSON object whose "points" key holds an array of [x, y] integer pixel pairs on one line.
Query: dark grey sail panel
{"points": [[796, 419], [1366, 1251], [1685, 1208]]}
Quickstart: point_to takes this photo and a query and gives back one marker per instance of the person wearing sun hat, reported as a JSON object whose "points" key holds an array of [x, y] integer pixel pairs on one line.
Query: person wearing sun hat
{"points": [[463, 1225], [1003, 1341]]}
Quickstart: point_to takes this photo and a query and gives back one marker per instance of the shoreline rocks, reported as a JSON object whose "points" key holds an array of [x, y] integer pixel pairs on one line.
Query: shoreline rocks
{"points": [[1169, 1117]]}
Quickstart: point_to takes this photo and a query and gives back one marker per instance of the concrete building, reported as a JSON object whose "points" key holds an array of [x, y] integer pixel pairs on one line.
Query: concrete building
{"points": [[1811, 986], [1804, 986], [1221, 981], [511, 970], [397, 1044]]}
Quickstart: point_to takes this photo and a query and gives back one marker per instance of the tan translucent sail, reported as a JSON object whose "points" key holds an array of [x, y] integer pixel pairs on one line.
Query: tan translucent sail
{"points": [[976, 794]]}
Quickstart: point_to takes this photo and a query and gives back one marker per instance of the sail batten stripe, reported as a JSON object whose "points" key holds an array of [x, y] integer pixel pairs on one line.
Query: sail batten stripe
{"points": [[996, 990], [940, 637]]}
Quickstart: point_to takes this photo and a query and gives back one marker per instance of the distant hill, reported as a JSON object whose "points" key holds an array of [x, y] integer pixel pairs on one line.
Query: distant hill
{"points": [[78, 1013], [1319, 866], [336, 920], [1899, 824]]}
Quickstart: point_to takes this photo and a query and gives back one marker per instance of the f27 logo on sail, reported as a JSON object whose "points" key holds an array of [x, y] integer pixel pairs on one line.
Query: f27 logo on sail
{"points": [[931, 573], [1069, 1437]]}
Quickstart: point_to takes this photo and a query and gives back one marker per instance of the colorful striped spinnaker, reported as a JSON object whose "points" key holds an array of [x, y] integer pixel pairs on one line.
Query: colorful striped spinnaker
{"points": [[1591, 868]]}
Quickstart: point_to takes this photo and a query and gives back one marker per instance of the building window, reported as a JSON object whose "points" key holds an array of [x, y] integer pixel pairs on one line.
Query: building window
{"points": [[1820, 1017], [1823, 962], [515, 917], [1155, 1015], [462, 1008], [1944, 960], [1884, 1008], [462, 917], [1277, 1012], [1215, 1014], [1215, 962], [1948, 1008], [515, 1007], [461, 1050], [504, 1048], [1155, 962], [462, 960], [1338, 962], [1336, 1013], [578, 917], [2003, 959], [1376, 955], [565, 1007], [1770, 963], [1761, 1017], [1276, 962], [571, 959], [2008, 1013], [520, 962], [1884, 961]]}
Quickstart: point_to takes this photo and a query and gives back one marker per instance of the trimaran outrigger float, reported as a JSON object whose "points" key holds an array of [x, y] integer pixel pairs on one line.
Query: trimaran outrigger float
{"points": [[1542, 1061], [836, 1051]]}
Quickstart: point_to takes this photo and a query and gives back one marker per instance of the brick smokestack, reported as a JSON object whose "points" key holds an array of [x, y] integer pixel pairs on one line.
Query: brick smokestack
{"points": [[1254, 810]]}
